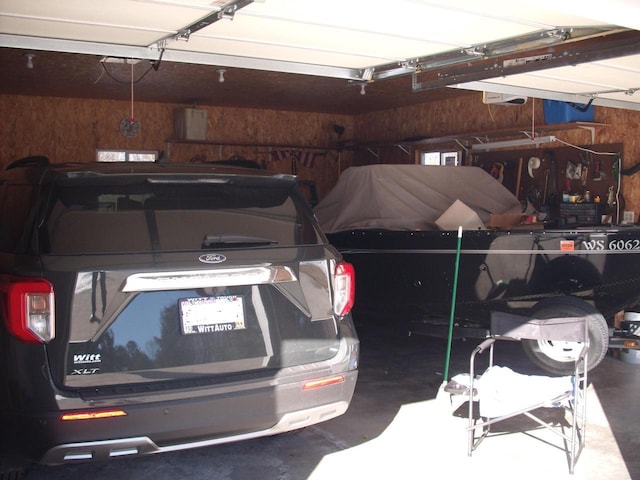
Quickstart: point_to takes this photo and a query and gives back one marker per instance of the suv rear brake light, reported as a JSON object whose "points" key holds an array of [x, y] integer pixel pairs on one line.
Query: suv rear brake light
{"points": [[30, 309], [344, 288]]}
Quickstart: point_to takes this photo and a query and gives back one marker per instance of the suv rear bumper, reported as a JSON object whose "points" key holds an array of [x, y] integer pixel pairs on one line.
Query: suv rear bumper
{"points": [[107, 449], [186, 418], [198, 418]]}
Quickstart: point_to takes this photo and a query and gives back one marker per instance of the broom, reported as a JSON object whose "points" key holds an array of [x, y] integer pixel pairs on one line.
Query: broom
{"points": [[445, 378]]}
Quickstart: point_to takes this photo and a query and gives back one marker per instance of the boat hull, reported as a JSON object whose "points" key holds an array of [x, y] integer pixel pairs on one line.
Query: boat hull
{"points": [[409, 275]]}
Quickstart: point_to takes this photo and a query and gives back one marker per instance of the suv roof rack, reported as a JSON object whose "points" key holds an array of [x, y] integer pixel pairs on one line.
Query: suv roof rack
{"points": [[32, 161]]}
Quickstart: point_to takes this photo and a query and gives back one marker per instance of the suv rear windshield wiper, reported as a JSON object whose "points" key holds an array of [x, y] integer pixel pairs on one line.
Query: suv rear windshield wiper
{"points": [[213, 241]]}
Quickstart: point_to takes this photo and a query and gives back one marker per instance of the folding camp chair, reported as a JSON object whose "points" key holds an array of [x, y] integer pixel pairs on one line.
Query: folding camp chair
{"points": [[501, 393]]}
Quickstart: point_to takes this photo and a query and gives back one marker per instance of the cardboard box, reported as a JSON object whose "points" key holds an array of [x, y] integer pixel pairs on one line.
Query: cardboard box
{"points": [[459, 215], [190, 124], [504, 220]]}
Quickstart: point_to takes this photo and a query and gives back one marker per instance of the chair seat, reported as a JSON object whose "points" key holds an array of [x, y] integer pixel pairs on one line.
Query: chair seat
{"points": [[502, 391]]}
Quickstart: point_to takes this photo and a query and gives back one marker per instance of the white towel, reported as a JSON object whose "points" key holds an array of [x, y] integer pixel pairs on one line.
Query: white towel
{"points": [[503, 391]]}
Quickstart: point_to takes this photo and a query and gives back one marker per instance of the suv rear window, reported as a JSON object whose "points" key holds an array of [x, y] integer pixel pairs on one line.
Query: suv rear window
{"points": [[153, 214]]}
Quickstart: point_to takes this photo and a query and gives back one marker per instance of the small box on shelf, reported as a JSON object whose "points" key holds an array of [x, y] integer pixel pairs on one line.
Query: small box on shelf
{"points": [[564, 112]]}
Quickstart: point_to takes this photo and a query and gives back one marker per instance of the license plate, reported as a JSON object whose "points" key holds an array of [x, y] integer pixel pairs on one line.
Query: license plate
{"points": [[211, 314]]}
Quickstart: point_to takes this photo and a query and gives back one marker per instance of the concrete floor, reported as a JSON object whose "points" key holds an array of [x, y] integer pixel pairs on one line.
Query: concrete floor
{"points": [[396, 428]]}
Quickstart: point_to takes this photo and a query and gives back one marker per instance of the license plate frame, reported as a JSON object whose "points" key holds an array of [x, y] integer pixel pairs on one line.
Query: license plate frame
{"points": [[215, 314]]}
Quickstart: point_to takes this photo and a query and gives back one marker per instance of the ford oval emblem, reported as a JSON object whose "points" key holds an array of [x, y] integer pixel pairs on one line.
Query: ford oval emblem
{"points": [[212, 258]]}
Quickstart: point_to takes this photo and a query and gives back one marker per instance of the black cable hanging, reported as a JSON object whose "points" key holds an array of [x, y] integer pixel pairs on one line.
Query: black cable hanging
{"points": [[154, 65]]}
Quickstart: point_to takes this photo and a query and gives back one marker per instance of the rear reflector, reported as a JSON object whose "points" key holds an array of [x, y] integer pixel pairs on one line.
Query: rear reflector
{"points": [[93, 415], [324, 382]]}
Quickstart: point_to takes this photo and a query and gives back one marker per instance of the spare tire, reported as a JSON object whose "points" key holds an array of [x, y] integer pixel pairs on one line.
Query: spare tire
{"points": [[558, 357]]}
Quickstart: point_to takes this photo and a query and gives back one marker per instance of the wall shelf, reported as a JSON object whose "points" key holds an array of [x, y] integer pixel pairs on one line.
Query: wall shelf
{"points": [[275, 146], [408, 146], [485, 136], [466, 140]]}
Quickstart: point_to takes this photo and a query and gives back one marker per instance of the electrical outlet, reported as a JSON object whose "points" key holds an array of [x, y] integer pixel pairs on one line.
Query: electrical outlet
{"points": [[628, 216]]}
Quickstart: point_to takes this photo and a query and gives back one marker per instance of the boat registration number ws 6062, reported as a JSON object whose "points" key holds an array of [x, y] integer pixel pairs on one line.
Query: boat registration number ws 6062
{"points": [[602, 243], [222, 313]]}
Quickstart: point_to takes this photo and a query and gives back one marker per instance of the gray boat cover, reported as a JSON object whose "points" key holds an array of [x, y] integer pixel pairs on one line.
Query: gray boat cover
{"points": [[411, 197]]}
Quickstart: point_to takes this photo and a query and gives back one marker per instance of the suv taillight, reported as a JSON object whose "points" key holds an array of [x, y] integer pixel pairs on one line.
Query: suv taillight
{"points": [[344, 288], [30, 312]]}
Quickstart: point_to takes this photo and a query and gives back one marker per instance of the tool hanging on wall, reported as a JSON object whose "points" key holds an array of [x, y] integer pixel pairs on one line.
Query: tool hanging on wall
{"points": [[546, 185], [551, 199], [611, 198], [519, 178], [586, 161], [597, 172], [497, 171], [533, 164]]}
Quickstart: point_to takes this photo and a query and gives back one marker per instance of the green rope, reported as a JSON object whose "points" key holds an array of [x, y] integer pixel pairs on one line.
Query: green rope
{"points": [[453, 304]]}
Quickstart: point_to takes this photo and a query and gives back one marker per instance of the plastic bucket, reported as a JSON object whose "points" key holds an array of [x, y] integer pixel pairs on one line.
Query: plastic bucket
{"points": [[631, 323]]}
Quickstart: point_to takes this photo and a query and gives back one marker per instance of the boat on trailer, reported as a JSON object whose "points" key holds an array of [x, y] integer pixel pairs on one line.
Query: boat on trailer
{"points": [[397, 225]]}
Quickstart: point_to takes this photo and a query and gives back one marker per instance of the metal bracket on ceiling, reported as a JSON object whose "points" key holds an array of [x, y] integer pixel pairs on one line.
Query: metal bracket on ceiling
{"points": [[159, 45], [486, 55], [608, 46], [367, 74], [183, 35], [227, 11]]}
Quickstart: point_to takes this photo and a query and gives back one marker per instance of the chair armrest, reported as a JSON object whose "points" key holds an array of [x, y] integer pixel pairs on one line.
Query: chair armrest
{"points": [[487, 343], [484, 345]]}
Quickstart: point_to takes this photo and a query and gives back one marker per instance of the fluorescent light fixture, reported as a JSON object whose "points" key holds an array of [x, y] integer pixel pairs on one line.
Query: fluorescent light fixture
{"points": [[522, 142]]}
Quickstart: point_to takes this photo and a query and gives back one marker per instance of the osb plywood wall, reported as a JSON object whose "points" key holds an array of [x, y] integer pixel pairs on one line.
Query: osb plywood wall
{"points": [[70, 130], [469, 114]]}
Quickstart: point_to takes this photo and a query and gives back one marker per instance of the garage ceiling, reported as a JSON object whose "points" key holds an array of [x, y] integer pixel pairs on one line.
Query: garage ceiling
{"points": [[320, 55]]}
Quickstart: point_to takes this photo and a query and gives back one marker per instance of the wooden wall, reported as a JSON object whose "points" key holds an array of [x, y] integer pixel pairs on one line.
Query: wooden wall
{"points": [[469, 114], [70, 130]]}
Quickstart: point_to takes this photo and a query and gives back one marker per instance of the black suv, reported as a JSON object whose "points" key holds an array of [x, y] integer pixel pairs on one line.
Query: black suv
{"points": [[155, 307]]}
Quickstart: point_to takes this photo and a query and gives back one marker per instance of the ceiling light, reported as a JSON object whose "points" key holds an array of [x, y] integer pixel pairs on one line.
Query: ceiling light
{"points": [[221, 73], [522, 142]]}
